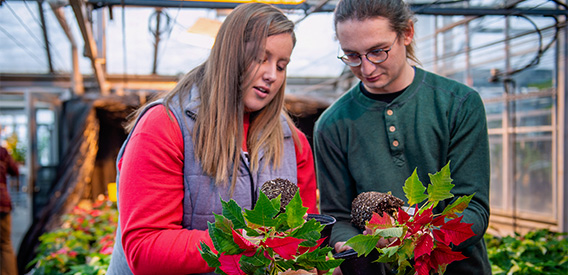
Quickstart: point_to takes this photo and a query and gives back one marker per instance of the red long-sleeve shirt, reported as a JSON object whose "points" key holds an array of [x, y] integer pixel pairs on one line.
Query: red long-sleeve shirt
{"points": [[151, 194]]}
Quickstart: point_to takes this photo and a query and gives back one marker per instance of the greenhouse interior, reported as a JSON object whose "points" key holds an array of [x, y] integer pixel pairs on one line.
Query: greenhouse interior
{"points": [[72, 71]]}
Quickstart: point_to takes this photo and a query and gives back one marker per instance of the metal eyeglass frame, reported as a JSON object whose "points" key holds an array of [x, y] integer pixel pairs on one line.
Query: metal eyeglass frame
{"points": [[345, 60]]}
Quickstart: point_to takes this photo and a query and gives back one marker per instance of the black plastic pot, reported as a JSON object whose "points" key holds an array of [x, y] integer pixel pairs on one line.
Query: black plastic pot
{"points": [[353, 265], [326, 220]]}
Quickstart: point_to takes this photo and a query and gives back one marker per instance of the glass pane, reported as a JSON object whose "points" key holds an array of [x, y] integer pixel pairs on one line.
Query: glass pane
{"points": [[533, 173], [533, 111], [494, 112], [46, 137], [496, 160]]}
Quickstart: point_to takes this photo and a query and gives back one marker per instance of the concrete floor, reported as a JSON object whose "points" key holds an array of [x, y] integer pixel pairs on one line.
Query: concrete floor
{"points": [[21, 215]]}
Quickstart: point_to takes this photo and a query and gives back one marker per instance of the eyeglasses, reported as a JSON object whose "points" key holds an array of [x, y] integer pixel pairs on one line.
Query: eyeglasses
{"points": [[375, 56]]}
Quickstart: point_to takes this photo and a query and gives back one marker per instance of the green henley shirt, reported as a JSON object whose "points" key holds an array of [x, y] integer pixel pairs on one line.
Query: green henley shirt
{"points": [[364, 145]]}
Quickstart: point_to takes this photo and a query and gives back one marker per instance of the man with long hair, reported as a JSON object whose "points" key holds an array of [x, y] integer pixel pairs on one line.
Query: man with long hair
{"points": [[398, 118]]}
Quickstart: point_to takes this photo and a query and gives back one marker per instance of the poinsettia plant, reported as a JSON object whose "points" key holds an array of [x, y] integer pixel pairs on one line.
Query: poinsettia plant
{"points": [[420, 241], [266, 241]]}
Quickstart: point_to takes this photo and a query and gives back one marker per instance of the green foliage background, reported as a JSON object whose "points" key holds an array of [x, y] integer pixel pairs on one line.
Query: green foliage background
{"points": [[537, 252]]}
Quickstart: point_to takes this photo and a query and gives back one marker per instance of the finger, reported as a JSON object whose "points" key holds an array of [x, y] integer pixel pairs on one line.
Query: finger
{"points": [[382, 242], [340, 247], [337, 271]]}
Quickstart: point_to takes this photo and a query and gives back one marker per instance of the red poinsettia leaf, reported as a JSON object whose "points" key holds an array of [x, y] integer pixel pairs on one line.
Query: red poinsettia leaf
{"points": [[266, 255], [444, 255], [243, 243], [424, 217], [378, 222], [230, 264], [285, 247], [420, 220], [424, 246], [439, 221], [304, 249], [397, 242], [440, 236], [457, 231], [403, 217], [422, 265]]}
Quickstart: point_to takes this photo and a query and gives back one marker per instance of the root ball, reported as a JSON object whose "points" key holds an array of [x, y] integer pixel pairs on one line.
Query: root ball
{"points": [[368, 202], [278, 186]]}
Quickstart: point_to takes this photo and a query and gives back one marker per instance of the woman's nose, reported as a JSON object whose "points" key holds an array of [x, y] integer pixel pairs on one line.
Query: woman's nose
{"points": [[269, 73]]}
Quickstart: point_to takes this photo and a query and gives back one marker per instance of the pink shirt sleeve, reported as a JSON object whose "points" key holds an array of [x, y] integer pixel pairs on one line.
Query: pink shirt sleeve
{"points": [[150, 200], [306, 174]]}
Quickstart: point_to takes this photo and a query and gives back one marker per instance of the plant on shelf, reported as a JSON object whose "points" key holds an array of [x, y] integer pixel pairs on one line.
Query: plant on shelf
{"points": [[421, 241], [16, 149], [82, 245], [264, 241]]}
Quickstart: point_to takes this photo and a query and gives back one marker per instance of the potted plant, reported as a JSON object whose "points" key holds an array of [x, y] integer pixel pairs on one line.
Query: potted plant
{"points": [[421, 239], [266, 240]]}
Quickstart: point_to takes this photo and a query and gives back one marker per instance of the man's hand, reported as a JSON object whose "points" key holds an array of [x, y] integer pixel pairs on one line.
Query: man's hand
{"points": [[382, 242], [340, 247]]}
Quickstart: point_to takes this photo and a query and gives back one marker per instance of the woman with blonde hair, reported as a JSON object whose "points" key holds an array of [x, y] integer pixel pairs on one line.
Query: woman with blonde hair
{"points": [[219, 134]]}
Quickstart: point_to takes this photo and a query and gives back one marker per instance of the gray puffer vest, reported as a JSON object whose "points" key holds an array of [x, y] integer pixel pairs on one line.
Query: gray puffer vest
{"points": [[201, 195]]}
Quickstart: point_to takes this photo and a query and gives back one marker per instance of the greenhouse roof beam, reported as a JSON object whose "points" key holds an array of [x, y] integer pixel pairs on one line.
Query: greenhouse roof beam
{"points": [[90, 45], [429, 9], [487, 11]]}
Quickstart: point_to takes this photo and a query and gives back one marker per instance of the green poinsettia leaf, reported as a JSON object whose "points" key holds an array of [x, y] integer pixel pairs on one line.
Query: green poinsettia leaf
{"points": [[363, 244], [263, 212], [390, 232], [458, 206], [403, 267], [223, 241], [276, 202], [211, 258], [390, 251], [441, 185], [317, 259], [285, 265], [281, 224], [309, 231], [414, 189], [405, 253], [255, 263], [223, 224], [310, 226], [384, 258], [295, 211], [328, 264], [233, 212]]}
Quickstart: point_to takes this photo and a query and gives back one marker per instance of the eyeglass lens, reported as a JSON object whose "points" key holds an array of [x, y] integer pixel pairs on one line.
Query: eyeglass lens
{"points": [[376, 56]]}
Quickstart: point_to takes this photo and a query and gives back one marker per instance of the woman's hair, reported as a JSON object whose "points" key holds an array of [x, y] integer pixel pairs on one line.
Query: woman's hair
{"points": [[396, 11], [222, 80]]}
